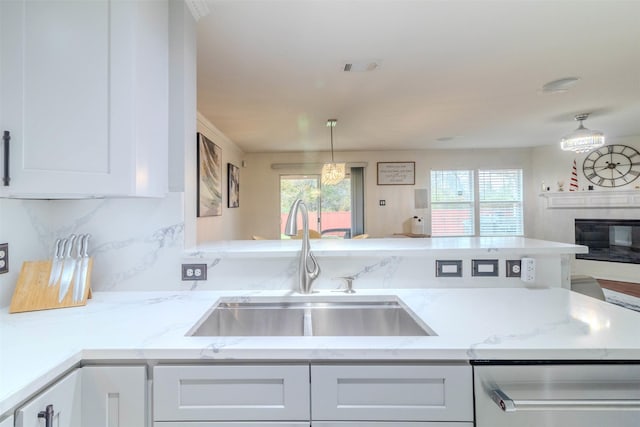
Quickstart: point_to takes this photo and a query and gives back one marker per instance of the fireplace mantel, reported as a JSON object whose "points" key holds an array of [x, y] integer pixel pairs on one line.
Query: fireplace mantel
{"points": [[592, 199]]}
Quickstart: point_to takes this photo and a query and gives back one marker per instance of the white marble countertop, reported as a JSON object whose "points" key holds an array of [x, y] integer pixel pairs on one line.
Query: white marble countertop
{"points": [[443, 246], [471, 324]]}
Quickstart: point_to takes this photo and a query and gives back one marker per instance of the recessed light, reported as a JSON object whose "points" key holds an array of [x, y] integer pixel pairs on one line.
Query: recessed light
{"points": [[560, 85]]}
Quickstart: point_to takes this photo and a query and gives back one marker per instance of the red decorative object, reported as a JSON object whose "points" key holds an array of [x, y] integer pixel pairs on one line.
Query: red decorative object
{"points": [[573, 183]]}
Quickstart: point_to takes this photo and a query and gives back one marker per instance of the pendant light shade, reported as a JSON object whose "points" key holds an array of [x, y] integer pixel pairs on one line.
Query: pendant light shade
{"points": [[582, 139], [332, 173]]}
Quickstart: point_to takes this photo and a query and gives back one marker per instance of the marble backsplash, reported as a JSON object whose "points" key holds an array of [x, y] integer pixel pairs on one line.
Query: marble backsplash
{"points": [[136, 243]]}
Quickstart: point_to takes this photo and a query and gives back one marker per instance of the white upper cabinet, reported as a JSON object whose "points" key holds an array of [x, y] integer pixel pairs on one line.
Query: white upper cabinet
{"points": [[84, 94]]}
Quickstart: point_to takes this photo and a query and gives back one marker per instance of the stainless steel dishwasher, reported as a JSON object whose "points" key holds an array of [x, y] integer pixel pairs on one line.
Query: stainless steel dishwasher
{"points": [[557, 395]]}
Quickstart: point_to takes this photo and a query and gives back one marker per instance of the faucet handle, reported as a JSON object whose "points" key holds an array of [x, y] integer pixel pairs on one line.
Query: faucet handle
{"points": [[348, 282]]}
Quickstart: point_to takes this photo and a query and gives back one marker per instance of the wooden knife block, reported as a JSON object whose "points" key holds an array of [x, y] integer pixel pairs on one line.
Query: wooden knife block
{"points": [[33, 292]]}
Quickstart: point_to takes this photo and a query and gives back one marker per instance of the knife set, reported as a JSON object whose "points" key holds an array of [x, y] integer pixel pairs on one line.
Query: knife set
{"points": [[63, 281]]}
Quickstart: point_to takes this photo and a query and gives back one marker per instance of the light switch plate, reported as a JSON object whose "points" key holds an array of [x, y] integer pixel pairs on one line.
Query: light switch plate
{"points": [[448, 268], [484, 267]]}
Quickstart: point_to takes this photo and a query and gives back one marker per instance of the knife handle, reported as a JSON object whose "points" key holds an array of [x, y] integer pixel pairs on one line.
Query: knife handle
{"points": [[85, 246], [70, 242], [47, 414], [80, 245]]}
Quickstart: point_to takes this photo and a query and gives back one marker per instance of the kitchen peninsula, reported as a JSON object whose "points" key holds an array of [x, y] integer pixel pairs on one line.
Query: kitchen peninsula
{"points": [[148, 329]]}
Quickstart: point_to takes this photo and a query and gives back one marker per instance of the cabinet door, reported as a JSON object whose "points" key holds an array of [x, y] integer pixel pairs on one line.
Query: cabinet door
{"points": [[114, 396], [78, 111], [7, 422], [391, 392], [231, 393], [65, 396]]}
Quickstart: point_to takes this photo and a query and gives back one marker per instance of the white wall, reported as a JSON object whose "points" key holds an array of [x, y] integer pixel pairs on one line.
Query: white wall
{"points": [[228, 225], [261, 184], [550, 164]]}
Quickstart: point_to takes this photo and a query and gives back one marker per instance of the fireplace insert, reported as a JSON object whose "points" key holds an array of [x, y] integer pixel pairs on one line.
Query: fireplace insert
{"points": [[614, 240]]}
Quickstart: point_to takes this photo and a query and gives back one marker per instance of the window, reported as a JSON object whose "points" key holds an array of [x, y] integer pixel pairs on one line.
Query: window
{"points": [[500, 196], [452, 203], [464, 201]]}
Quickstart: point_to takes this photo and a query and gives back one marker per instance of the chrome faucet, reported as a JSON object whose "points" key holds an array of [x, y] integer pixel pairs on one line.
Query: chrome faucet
{"points": [[308, 268]]}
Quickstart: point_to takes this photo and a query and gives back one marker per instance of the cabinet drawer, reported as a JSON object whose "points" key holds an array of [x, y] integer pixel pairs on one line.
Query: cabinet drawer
{"points": [[65, 396], [7, 422], [230, 424], [231, 393], [391, 392], [389, 424]]}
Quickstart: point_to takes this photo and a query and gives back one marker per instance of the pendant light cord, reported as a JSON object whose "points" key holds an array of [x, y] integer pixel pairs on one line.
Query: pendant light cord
{"points": [[332, 161]]}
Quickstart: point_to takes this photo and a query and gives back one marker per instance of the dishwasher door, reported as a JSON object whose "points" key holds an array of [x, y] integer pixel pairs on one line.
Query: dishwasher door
{"points": [[542, 395]]}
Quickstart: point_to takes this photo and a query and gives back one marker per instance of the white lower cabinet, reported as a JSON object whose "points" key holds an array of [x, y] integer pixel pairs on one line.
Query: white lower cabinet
{"points": [[229, 424], [96, 396], [61, 403], [7, 422], [431, 395], [231, 393], [324, 395]]}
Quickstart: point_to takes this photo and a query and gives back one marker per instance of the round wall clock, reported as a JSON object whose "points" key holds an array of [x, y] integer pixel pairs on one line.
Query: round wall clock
{"points": [[612, 165]]}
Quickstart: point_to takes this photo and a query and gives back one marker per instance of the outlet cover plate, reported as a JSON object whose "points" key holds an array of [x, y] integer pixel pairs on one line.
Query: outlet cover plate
{"points": [[4, 258], [194, 271], [513, 268]]}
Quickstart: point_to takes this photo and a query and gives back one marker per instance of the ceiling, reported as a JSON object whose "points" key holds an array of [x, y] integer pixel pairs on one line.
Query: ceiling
{"points": [[270, 73]]}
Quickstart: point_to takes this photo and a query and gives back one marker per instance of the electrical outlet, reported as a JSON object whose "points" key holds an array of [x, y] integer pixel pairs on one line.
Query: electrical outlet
{"points": [[194, 271], [383, 203], [513, 268], [4, 258], [528, 270]]}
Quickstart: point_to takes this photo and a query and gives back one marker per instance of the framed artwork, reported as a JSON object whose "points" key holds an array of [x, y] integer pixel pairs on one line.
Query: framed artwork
{"points": [[209, 177], [233, 186], [396, 173]]}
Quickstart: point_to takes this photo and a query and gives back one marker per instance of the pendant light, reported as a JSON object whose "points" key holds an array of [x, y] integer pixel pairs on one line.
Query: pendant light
{"points": [[332, 173], [582, 139]]}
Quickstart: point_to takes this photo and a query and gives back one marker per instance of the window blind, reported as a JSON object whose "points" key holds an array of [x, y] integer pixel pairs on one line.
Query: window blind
{"points": [[500, 202], [452, 203], [496, 202]]}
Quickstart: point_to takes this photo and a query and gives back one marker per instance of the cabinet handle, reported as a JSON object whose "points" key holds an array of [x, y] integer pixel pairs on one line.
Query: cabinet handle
{"points": [[47, 414], [6, 138], [510, 405]]}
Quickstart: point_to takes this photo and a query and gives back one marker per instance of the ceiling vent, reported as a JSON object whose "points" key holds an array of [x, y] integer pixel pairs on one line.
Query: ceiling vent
{"points": [[360, 66]]}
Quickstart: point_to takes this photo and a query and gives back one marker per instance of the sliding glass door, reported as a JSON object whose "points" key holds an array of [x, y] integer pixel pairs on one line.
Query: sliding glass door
{"points": [[329, 206]]}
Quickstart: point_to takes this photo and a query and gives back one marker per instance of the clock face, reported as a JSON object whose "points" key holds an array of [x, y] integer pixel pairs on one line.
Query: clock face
{"points": [[612, 165]]}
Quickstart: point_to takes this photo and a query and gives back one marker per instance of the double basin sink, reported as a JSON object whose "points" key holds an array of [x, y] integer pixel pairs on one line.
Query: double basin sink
{"points": [[315, 316]]}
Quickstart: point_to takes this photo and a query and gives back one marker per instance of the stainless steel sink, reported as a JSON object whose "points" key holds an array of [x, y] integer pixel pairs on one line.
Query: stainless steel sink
{"points": [[311, 317]]}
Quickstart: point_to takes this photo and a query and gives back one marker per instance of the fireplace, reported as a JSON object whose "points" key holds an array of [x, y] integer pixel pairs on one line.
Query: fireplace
{"points": [[614, 240]]}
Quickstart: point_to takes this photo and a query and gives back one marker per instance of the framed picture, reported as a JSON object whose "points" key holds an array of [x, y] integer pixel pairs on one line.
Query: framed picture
{"points": [[209, 177], [233, 186], [396, 173]]}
